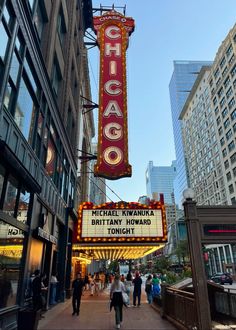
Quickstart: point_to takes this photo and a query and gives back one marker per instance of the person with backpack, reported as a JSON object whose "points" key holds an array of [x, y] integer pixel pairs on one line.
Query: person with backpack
{"points": [[148, 289]]}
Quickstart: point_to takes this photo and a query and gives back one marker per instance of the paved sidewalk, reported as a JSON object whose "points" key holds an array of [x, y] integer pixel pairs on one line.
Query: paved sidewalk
{"points": [[95, 314]]}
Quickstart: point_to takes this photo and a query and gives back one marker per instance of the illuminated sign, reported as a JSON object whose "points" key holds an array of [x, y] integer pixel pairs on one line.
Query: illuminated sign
{"points": [[219, 229], [113, 30], [123, 222]]}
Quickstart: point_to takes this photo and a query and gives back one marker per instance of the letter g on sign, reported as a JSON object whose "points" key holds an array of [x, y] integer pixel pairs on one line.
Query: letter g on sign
{"points": [[113, 155]]}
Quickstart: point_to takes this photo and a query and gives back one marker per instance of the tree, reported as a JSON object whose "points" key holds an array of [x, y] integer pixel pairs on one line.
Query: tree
{"points": [[182, 251], [161, 263]]}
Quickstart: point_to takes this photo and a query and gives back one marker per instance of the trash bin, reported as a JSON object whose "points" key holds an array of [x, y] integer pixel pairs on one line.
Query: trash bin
{"points": [[28, 319]]}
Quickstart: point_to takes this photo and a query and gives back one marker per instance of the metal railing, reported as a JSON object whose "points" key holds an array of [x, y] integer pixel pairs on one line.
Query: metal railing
{"points": [[225, 303], [179, 306]]}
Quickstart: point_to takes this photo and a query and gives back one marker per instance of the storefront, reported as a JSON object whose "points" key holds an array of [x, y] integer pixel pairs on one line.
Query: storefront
{"points": [[17, 188]]}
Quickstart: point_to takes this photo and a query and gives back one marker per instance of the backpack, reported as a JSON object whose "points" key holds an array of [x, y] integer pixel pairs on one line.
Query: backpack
{"points": [[148, 287]]}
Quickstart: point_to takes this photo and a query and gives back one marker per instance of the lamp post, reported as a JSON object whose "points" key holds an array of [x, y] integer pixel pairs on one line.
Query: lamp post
{"points": [[198, 268]]}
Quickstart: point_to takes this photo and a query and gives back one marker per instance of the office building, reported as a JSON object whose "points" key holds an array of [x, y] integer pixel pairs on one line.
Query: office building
{"points": [[44, 70], [182, 80], [159, 180], [209, 132]]}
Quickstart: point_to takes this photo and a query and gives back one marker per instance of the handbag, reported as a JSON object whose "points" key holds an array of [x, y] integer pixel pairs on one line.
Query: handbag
{"points": [[125, 298]]}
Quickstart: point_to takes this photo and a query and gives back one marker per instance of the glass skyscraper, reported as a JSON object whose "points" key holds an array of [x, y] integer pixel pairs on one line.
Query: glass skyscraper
{"points": [[181, 83], [159, 179]]}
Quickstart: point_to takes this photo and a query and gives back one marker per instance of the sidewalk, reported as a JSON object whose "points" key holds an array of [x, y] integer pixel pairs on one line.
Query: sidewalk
{"points": [[95, 314]]}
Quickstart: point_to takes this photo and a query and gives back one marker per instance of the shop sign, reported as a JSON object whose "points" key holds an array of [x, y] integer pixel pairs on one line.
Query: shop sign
{"points": [[113, 30], [45, 235], [128, 222]]}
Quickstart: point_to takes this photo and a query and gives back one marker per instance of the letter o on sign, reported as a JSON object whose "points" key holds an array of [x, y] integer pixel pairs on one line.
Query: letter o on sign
{"points": [[113, 155]]}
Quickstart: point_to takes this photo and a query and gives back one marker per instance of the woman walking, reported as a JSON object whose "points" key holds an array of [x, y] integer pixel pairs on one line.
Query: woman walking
{"points": [[117, 288], [148, 289]]}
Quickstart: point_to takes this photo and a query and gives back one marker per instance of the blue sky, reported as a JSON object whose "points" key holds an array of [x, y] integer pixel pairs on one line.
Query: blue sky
{"points": [[164, 31]]}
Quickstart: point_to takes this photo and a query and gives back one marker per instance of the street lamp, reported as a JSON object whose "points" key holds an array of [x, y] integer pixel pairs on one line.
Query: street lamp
{"points": [[198, 269]]}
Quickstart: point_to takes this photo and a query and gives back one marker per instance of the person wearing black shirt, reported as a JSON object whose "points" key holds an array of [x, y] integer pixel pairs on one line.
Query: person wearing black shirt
{"points": [[37, 290], [77, 286], [137, 282]]}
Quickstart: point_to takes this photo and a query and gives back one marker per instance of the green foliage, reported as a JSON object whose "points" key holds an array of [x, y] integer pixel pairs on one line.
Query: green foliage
{"points": [[182, 251], [161, 265], [114, 266]]}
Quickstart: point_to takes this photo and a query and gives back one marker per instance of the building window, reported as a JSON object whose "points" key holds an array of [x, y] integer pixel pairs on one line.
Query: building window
{"points": [[225, 71], [229, 50], [226, 123], [61, 27], [56, 77], [226, 82], [231, 103], [231, 59], [229, 134], [25, 110], [222, 102], [231, 146], [234, 127], [220, 130], [228, 176], [218, 120], [222, 141], [221, 92], [231, 189], [226, 163], [39, 21], [233, 158], [233, 114], [214, 100], [222, 62], [11, 247], [233, 71], [234, 171], [224, 112], [224, 152], [229, 92]]}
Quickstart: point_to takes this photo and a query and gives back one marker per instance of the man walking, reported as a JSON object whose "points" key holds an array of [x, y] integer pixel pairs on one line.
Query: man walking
{"points": [[77, 286], [137, 282]]}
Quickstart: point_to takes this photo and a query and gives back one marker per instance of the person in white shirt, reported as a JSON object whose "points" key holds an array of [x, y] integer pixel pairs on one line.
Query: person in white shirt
{"points": [[117, 288]]}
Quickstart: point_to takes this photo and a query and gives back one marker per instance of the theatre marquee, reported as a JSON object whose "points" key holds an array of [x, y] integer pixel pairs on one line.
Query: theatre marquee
{"points": [[122, 222]]}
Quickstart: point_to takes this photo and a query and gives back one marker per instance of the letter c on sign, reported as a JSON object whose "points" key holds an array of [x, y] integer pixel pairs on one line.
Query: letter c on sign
{"points": [[113, 155], [115, 91], [114, 35]]}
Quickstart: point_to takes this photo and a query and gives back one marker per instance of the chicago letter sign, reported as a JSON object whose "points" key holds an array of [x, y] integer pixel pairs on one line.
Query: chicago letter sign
{"points": [[113, 30]]}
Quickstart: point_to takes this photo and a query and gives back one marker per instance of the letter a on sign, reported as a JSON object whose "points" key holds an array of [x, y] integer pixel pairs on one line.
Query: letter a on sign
{"points": [[113, 31]]}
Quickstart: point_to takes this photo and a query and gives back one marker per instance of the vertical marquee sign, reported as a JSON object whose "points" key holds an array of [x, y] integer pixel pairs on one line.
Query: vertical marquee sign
{"points": [[113, 30]]}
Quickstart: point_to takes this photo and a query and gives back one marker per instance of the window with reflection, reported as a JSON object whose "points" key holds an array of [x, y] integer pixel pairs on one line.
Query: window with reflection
{"points": [[10, 197], [39, 21], [56, 77], [51, 158], [4, 38], [23, 205], [11, 247], [25, 111], [2, 175]]}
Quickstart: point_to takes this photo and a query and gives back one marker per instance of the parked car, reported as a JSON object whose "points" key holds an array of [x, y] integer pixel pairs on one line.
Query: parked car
{"points": [[222, 278]]}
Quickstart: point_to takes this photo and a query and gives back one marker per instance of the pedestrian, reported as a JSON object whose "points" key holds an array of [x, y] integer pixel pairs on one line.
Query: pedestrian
{"points": [[77, 286], [137, 282], [128, 285], [122, 278], [53, 289], [37, 291], [117, 288], [86, 282], [156, 286], [148, 289], [92, 285]]}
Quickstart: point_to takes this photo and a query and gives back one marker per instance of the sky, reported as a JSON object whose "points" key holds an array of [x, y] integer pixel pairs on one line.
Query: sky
{"points": [[165, 30]]}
